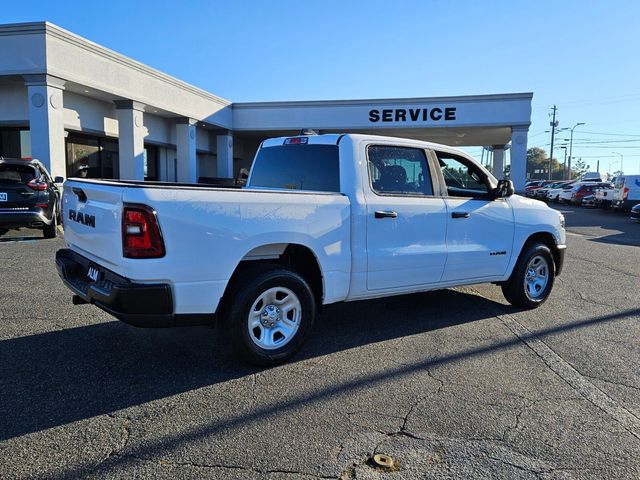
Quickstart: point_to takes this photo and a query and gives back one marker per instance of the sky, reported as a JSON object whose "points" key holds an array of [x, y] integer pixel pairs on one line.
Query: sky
{"points": [[582, 56]]}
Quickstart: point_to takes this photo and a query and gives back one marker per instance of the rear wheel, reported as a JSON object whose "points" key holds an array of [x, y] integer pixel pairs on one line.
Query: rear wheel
{"points": [[532, 278], [269, 315], [50, 231]]}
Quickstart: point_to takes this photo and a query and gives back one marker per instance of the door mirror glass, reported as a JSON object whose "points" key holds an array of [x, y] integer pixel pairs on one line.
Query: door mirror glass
{"points": [[58, 180], [504, 189]]}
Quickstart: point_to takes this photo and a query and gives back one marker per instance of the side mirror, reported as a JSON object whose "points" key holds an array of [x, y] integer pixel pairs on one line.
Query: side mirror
{"points": [[58, 180], [504, 189]]}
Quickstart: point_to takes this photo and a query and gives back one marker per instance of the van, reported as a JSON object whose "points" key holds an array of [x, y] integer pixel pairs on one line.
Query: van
{"points": [[626, 192], [595, 177]]}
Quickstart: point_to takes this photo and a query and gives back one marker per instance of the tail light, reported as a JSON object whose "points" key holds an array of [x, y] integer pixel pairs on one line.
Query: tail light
{"points": [[625, 193], [36, 185], [141, 236]]}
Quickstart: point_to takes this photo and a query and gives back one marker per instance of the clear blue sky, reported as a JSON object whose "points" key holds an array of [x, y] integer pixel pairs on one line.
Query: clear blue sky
{"points": [[583, 56]]}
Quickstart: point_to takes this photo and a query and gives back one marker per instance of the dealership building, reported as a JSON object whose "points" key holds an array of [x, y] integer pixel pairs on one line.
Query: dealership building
{"points": [[74, 104]]}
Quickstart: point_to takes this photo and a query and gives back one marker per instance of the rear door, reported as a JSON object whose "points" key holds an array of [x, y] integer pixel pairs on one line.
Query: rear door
{"points": [[15, 193], [92, 212], [406, 223], [480, 229]]}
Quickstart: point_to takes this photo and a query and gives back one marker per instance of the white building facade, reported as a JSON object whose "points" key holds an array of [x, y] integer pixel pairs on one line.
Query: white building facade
{"points": [[76, 105]]}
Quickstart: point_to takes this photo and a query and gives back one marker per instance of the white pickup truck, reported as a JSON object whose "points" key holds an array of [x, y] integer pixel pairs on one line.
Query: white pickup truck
{"points": [[322, 219]]}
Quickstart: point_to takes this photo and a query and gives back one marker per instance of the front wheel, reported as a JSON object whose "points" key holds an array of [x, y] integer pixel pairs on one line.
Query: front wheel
{"points": [[269, 316], [532, 278]]}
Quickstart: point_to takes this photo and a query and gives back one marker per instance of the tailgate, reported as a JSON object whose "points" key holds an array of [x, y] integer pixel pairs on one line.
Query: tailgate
{"points": [[92, 220]]}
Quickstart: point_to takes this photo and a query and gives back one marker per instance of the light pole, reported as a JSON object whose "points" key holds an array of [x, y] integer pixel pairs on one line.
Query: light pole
{"points": [[612, 163], [564, 165], [621, 159], [571, 147]]}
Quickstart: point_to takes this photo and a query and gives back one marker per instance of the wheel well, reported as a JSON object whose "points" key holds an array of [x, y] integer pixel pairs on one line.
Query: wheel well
{"points": [[297, 258], [547, 239]]}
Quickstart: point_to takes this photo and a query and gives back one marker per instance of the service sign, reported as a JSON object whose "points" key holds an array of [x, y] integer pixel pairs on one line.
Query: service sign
{"points": [[412, 115]]}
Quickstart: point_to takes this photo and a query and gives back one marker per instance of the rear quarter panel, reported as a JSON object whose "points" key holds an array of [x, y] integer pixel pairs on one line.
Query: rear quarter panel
{"points": [[207, 232]]}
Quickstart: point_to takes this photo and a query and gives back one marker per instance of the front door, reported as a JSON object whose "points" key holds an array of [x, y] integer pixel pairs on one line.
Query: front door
{"points": [[406, 223], [480, 229]]}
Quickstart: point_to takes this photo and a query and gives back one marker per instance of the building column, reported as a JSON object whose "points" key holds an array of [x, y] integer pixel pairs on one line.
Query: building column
{"points": [[224, 155], [519, 157], [46, 121], [186, 149], [131, 135], [498, 161]]}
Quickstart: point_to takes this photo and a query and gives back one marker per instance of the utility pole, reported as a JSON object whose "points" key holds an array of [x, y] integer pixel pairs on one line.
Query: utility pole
{"points": [[554, 124]]}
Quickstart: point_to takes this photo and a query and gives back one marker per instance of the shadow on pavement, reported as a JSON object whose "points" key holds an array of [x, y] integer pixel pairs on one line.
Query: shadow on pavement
{"points": [[59, 377], [161, 447]]}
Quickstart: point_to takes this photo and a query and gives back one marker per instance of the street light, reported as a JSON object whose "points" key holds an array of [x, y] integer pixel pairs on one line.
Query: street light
{"points": [[571, 147], [612, 163], [621, 159], [564, 165]]}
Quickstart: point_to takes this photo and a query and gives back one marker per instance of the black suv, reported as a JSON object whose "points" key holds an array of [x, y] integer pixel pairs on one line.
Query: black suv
{"points": [[28, 196]]}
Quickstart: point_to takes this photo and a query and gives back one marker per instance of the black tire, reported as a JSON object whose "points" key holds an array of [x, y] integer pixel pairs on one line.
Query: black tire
{"points": [[246, 290], [516, 290], [51, 231]]}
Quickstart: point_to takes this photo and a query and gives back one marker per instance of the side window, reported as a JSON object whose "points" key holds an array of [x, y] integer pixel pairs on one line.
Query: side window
{"points": [[399, 170], [462, 179]]}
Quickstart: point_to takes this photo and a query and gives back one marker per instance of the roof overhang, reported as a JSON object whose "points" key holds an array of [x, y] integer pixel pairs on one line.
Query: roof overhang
{"points": [[464, 120]]}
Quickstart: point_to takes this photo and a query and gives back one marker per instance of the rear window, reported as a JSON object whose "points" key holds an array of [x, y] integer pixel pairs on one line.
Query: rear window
{"points": [[297, 167], [16, 173]]}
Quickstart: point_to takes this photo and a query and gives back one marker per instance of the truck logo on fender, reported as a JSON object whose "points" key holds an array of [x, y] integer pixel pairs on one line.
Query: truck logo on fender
{"points": [[83, 218], [493, 254]]}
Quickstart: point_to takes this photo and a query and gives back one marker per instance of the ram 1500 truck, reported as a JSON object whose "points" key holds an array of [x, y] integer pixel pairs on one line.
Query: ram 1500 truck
{"points": [[322, 219]]}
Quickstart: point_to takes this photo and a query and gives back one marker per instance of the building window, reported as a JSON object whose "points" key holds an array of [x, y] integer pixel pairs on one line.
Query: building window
{"points": [[15, 143], [92, 157], [150, 162]]}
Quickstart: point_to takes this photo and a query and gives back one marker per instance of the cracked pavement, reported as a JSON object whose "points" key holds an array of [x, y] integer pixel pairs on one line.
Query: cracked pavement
{"points": [[451, 384]]}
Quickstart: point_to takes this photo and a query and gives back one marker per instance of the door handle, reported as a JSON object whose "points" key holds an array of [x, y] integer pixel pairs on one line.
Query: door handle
{"points": [[460, 215], [385, 214]]}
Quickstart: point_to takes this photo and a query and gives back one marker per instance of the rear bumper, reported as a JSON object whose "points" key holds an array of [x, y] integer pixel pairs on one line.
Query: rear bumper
{"points": [[23, 218], [139, 304]]}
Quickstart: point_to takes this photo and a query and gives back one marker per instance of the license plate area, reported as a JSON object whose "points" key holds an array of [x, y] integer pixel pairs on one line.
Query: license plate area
{"points": [[94, 273]]}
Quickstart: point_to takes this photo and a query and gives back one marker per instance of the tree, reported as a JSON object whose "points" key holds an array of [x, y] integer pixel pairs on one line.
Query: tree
{"points": [[579, 168], [538, 165]]}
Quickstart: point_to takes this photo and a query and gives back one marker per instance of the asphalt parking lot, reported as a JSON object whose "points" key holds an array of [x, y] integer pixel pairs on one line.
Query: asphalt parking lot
{"points": [[451, 384]]}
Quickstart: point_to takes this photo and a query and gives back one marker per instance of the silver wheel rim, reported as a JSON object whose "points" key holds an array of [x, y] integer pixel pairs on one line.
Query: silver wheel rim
{"points": [[536, 277], [274, 318]]}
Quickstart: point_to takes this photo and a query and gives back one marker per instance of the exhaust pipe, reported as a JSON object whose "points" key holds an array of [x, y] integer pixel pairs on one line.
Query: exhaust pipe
{"points": [[78, 300]]}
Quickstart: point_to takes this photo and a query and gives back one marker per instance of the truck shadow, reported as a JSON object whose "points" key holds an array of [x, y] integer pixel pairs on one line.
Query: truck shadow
{"points": [[62, 376], [59, 377]]}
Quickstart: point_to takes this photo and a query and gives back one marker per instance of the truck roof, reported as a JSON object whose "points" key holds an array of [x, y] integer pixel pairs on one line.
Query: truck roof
{"points": [[334, 138]]}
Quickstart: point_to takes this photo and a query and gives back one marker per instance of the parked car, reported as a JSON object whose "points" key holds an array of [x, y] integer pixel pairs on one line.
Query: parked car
{"points": [[323, 219], [530, 190], [588, 201], [584, 190], [553, 194], [28, 196], [604, 196], [541, 193], [626, 192], [635, 213]]}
